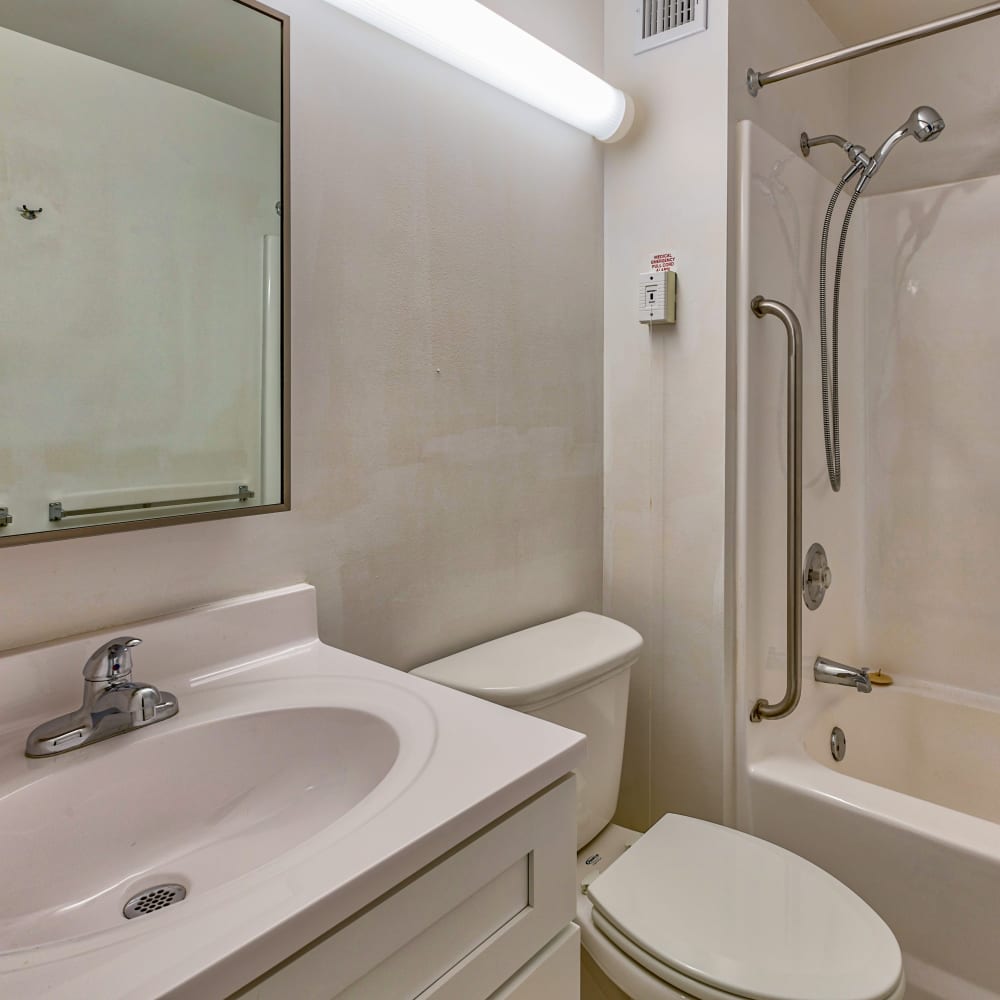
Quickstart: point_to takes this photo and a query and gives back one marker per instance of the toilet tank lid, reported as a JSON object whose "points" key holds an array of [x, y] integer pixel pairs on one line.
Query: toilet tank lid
{"points": [[539, 663]]}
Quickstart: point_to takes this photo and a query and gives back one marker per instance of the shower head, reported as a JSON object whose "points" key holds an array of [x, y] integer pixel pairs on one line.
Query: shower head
{"points": [[924, 124]]}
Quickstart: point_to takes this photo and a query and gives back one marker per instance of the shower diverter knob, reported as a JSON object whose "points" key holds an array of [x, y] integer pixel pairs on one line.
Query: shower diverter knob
{"points": [[817, 577]]}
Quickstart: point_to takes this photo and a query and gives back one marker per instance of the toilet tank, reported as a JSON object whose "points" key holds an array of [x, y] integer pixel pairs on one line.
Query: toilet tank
{"points": [[574, 672]]}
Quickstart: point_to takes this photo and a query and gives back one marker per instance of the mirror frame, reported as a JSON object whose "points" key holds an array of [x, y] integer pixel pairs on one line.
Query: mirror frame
{"points": [[286, 319]]}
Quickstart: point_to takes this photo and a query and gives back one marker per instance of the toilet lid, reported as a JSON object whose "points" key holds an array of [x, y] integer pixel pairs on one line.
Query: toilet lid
{"points": [[745, 916], [525, 668]]}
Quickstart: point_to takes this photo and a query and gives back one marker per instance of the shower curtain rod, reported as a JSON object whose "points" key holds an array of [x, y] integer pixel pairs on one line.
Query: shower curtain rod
{"points": [[757, 80]]}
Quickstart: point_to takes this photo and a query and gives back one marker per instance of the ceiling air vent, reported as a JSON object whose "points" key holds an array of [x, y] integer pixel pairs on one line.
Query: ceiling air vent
{"points": [[661, 21]]}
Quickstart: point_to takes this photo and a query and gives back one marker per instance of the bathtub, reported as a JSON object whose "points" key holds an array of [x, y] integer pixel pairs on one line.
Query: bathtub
{"points": [[910, 820]]}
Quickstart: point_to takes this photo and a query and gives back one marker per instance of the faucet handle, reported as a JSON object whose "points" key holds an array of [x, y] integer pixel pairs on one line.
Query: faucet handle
{"points": [[112, 662]]}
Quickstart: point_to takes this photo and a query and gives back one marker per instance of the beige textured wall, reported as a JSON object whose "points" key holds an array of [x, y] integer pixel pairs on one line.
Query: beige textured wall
{"points": [[665, 519], [447, 375]]}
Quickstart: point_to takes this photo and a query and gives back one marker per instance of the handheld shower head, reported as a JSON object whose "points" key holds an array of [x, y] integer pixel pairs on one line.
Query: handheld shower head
{"points": [[924, 124]]}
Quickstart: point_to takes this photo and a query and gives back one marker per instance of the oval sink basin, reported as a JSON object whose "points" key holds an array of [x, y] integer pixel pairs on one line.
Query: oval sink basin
{"points": [[199, 804]]}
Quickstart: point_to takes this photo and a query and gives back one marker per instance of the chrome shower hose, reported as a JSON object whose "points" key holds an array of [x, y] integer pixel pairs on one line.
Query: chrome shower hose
{"points": [[830, 342]]}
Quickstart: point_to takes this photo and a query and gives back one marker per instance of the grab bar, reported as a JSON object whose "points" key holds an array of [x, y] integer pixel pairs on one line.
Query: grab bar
{"points": [[793, 652]]}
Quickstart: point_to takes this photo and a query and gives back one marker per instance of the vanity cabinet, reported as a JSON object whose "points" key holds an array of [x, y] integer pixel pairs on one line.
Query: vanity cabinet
{"points": [[491, 920]]}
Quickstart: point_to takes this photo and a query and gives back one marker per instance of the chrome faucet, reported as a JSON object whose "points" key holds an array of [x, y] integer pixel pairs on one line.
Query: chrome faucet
{"points": [[112, 704], [830, 672]]}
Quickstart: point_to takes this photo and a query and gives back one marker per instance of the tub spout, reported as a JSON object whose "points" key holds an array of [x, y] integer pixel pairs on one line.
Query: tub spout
{"points": [[830, 672]]}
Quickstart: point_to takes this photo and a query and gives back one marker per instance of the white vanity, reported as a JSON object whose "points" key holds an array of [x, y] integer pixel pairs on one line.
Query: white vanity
{"points": [[340, 829]]}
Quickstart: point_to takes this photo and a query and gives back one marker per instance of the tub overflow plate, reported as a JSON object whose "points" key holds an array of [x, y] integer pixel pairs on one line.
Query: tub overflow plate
{"points": [[838, 744]]}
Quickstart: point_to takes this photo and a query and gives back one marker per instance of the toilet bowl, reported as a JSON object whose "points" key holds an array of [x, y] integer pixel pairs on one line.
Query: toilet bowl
{"points": [[689, 909]]}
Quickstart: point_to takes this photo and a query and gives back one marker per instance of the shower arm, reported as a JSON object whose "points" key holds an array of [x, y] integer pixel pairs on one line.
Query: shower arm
{"points": [[793, 641], [860, 160], [806, 142]]}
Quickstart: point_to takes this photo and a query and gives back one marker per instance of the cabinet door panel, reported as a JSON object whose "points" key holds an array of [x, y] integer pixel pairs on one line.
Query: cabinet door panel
{"points": [[460, 929]]}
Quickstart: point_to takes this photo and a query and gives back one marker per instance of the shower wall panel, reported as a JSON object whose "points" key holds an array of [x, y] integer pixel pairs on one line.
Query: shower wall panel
{"points": [[783, 199], [933, 476]]}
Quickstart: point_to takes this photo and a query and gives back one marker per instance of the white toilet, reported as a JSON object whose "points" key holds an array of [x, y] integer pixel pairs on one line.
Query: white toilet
{"points": [[690, 910]]}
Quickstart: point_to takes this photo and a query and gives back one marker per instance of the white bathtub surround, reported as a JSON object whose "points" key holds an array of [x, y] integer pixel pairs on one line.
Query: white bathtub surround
{"points": [[949, 737], [265, 878], [909, 819], [933, 469], [783, 198]]}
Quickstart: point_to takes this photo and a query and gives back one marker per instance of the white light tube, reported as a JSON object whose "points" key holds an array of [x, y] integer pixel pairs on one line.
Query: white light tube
{"points": [[475, 39]]}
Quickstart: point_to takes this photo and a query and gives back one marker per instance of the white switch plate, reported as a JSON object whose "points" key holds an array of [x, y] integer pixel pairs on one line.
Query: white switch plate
{"points": [[658, 297]]}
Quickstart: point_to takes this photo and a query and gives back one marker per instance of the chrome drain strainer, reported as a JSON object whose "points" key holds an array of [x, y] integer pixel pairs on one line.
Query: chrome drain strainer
{"points": [[150, 900]]}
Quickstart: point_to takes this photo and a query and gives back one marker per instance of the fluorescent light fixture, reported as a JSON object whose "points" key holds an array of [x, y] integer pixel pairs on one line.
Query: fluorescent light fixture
{"points": [[475, 39]]}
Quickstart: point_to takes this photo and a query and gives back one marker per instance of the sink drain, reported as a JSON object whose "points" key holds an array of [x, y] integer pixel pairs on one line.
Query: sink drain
{"points": [[150, 900]]}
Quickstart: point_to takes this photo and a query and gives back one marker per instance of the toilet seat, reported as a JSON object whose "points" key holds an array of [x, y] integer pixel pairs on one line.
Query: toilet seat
{"points": [[719, 915]]}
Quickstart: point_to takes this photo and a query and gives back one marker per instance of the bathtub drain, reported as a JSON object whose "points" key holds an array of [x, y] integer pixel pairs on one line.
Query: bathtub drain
{"points": [[838, 744], [155, 898]]}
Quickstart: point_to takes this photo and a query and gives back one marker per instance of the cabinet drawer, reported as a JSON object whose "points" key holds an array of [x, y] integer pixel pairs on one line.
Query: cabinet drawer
{"points": [[459, 929]]}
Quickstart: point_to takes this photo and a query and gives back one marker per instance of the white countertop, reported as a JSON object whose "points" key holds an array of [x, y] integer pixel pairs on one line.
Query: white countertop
{"points": [[463, 764]]}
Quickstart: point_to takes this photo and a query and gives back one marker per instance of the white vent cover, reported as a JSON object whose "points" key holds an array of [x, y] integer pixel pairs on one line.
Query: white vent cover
{"points": [[661, 21]]}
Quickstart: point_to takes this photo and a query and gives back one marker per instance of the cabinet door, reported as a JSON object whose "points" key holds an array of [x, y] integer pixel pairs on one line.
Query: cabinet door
{"points": [[458, 930]]}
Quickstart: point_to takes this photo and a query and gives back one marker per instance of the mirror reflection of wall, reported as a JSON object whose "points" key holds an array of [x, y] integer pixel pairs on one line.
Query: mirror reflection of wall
{"points": [[140, 261]]}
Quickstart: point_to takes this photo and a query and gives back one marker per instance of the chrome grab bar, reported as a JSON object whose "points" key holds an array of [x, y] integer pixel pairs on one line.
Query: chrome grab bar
{"points": [[793, 643]]}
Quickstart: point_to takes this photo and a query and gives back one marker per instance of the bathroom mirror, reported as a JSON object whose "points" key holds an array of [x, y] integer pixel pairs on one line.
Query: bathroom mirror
{"points": [[144, 272]]}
